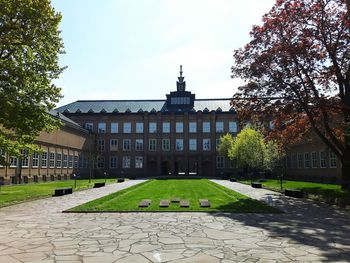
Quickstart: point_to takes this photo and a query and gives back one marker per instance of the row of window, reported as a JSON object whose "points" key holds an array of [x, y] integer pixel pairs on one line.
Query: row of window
{"points": [[152, 127], [152, 144], [321, 159], [126, 162], [44, 160]]}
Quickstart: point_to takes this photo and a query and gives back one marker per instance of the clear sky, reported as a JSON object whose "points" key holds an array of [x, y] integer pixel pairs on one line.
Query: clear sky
{"points": [[132, 49]]}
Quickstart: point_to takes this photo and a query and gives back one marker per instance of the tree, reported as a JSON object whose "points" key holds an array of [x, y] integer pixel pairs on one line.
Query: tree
{"points": [[29, 49], [249, 149], [297, 68]]}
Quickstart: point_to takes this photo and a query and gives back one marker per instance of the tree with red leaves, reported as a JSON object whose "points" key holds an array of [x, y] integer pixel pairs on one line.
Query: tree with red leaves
{"points": [[297, 68]]}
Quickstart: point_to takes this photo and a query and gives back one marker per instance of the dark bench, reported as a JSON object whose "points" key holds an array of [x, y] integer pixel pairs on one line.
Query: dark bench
{"points": [[256, 185], [233, 180], [294, 193], [63, 191], [98, 185], [120, 180]]}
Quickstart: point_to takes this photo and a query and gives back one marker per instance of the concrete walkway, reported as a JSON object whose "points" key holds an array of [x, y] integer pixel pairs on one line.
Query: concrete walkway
{"points": [[38, 232]]}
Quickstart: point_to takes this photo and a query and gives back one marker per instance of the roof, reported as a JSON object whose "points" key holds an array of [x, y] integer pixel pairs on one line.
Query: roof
{"points": [[66, 120], [137, 106]]}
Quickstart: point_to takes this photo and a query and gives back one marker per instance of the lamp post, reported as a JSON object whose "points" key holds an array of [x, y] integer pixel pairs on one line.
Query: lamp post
{"points": [[105, 176], [75, 180]]}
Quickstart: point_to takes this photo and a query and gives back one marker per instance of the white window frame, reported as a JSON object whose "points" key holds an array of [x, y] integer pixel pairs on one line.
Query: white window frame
{"points": [[70, 161], [139, 145], [43, 162], [52, 161], [206, 144], [126, 162], [179, 145], [332, 160], [166, 127], [323, 159], [113, 162], [89, 126], [75, 161], [101, 127], [35, 160], [59, 160], [179, 127], [192, 127], [206, 127], [13, 161], [113, 144], [232, 127], [166, 145], [114, 127], [300, 160], [65, 161], [307, 160], [314, 159], [138, 162], [101, 162], [152, 145], [127, 127], [101, 145], [152, 127], [192, 145], [220, 162], [139, 127], [126, 145], [219, 126], [25, 158]]}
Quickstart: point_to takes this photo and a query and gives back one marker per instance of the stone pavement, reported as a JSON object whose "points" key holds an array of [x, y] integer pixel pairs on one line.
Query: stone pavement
{"points": [[38, 232]]}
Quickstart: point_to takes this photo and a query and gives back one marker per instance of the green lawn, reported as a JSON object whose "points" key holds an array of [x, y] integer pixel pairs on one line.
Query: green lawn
{"points": [[221, 198], [12, 194], [329, 193]]}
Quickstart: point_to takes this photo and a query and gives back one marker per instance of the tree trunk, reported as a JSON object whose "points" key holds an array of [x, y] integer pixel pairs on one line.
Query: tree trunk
{"points": [[345, 170]]}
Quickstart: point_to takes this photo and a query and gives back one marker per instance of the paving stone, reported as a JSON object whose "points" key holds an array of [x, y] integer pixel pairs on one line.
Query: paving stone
{"points": [[9, 259], [184, 203], [133, 259], [200, 258]]}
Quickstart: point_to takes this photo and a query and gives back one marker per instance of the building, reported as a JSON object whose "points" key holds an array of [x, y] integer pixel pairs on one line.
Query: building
{"points": [[58, 159], [177, 135]]}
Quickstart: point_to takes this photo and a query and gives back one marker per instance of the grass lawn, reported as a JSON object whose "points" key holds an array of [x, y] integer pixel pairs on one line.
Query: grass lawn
{"points": [[11, 194], [221, 198], [329, 193]]}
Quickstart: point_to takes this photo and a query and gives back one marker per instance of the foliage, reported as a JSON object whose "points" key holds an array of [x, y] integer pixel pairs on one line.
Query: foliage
{"points": [[221, 198], [250, 149], [297, 68], [29, 49]]}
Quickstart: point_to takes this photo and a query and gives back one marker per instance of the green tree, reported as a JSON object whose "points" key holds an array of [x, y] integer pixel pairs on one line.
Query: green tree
{"points": [[250, 150], [29, 48]]}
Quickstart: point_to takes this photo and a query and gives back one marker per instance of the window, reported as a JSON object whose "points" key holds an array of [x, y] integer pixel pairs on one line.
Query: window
{"points": [[25, 158], [126, 161], [307, 160], [179, 127], [81, 161], [152, 144], [139, 127], [70, 161], [2, 156], [114, 127], [126, 145], [323, 159], [152, 127], [179, 146], [139, 145], [314, 157], [219, 126], [113, 144], [220, 162], [300, 160], [166, 127], [35, 160], [138, 162], [101, 127], [332, 160], [217, 143], [294, 161], [13, 161], [101, 145], [166, 145], [127, 127], [193, 145], [206, 126], [113, 162], [101, 162], [89, 126], [44, 160], [52, 160], [180, 100], [232, 126], [76, 157], [193, 127], [206, 144], [65, 160], [58, 160]]}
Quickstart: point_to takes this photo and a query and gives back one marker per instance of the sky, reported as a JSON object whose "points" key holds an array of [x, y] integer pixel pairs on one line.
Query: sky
{"points": [[132, 49]]}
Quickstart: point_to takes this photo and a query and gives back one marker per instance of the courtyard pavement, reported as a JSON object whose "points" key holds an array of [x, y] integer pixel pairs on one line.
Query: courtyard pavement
{"points": [[38, 231]]}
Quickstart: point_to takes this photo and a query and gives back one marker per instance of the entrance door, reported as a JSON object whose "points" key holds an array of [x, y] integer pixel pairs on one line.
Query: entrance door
{"points": [[165, 168]]}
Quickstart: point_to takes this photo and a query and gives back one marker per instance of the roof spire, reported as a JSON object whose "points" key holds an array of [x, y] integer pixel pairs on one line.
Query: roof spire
{"points": [[181, 84]]}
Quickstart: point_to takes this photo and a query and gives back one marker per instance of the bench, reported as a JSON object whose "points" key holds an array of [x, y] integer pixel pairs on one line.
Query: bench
{"points": [[256, 185], [184, 203], [164, 203], [233, 180], [63, 191], [294, 193], [204, 202], [120, 180], [98, 185], [145, 203]]}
